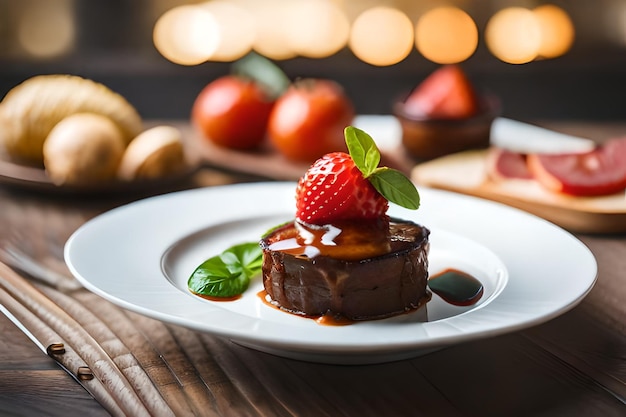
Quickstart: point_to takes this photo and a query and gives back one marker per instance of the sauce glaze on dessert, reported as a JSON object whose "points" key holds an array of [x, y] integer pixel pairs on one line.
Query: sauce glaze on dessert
{"points": [[348, 240]]}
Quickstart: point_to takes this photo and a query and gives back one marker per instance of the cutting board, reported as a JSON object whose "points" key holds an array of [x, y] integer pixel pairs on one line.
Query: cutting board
{"points": [[466, 173]]}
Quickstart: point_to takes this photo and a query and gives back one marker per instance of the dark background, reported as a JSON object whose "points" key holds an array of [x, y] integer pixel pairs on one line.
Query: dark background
{"points": [[114, 47]]}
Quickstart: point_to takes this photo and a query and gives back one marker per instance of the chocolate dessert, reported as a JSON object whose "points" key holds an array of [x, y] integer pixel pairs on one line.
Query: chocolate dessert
{"points": [[300, 278]]}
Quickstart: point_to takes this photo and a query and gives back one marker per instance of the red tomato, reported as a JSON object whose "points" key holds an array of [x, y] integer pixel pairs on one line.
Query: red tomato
{"points": [[232, 112], [599, 172], [308, 120], [444, 94]]}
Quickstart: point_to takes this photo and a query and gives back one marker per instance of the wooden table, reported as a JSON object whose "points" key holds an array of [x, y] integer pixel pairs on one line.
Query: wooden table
{"points": [[573, 365]]}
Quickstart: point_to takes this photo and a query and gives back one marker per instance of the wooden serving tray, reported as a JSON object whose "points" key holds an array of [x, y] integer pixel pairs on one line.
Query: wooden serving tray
{"points": [[466, 173], [268, 163]]}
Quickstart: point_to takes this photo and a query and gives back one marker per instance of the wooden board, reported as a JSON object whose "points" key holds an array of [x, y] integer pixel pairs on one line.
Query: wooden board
{"points": [[35, 179], [268, 163], [466, 173]]}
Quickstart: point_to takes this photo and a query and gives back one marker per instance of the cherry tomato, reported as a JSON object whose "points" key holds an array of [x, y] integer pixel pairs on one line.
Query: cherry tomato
{"points": [[308, 120], [232, 112]]}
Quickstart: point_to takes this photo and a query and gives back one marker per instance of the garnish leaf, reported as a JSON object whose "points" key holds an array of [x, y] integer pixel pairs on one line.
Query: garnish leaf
{"points": [[395, 187], [263, 71], [390, 183], [363, 150], [227, 274]]}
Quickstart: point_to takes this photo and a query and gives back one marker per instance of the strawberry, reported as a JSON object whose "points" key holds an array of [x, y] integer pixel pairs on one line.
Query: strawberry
{"points": [[335, 189], [341, 186], [445, 94]]}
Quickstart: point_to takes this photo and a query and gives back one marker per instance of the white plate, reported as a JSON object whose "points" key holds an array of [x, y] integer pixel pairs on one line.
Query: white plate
{"points": [[139, 256]]}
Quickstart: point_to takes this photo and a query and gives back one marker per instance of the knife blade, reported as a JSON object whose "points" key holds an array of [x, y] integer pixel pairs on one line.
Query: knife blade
{"points": [[526, 138]]}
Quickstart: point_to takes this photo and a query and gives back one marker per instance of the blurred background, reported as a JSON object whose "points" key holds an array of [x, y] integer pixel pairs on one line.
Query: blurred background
{"points": [[559, 60]]}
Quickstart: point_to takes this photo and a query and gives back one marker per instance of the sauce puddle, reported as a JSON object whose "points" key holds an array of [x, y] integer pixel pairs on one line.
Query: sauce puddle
{"points": [[456, 287], [325, 319], [452, 285], [221, 299]]}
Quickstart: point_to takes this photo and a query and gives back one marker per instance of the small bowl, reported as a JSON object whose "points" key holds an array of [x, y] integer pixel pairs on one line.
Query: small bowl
{"points": [[425, 138]]}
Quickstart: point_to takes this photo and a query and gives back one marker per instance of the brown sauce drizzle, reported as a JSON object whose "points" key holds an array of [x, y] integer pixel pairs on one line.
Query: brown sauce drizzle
{"points": [[328, 319], [348, 240], [452, 285], [325, 319], [456, 287]]}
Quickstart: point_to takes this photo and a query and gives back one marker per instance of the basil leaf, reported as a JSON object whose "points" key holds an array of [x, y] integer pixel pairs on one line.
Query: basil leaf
{"points": [[362, 149], [227, 274], [248, 255], [396, 187]]}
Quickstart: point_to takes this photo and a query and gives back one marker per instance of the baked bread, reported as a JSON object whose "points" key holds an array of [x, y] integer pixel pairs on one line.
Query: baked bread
{"points": [[30, 110]]}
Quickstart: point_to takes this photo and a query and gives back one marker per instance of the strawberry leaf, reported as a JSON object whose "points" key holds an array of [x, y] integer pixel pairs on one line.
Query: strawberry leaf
{"points": [[363, 150], [395, 187], [390, 183]]}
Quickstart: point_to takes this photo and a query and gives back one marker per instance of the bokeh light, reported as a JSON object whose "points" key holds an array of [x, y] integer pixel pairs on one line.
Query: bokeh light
{"points": [[272, 24], [47, 30], [513, 35], [557, 30], [187, 35], [382, 36], [446, 35], [317, 29], [236, 28]]}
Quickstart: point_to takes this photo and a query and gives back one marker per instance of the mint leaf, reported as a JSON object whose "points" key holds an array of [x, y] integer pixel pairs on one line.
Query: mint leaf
{"points": [[390, 183], [362, 149], [227, 274], [395, 187]]}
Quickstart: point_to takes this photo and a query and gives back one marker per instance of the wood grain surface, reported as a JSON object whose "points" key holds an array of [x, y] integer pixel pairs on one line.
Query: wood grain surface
{"points": [[573, 365]]}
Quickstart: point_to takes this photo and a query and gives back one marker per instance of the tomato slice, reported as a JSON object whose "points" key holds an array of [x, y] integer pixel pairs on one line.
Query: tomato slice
{"points": [[503, 164], [599, 172]]}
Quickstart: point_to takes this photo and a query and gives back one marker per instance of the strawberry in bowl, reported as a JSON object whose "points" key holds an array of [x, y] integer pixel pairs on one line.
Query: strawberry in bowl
{"points": [[445, 114], [343, 256]]}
